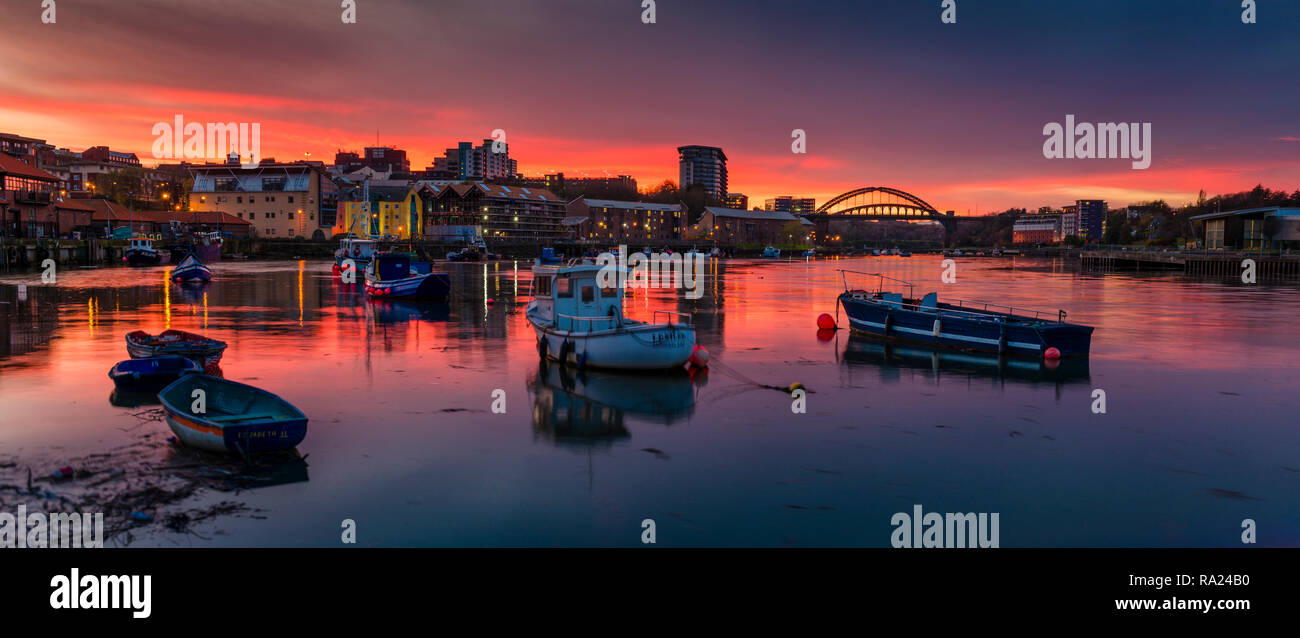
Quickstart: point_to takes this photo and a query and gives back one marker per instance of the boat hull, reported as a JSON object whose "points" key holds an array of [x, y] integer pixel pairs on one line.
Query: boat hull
{"points": [[192, 273], [435, 286], [283, 430], [142, 258], [642, 347], [140, 345], [984, 334], [151, 373]]}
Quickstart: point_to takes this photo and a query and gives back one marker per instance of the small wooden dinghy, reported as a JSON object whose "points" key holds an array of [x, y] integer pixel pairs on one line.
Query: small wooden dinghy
{"points": [[223, 416], [190, 269], [141, 344], [151, 373]]}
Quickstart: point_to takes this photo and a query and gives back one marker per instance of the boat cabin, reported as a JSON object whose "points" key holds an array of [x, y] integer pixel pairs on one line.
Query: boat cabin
{"points": [[359, 249], [572, 297], [141, 243]]}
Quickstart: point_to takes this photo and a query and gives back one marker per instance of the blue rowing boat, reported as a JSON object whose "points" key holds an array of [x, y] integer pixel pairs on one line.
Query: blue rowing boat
{"points": [[190, 269], [223, 416], [151, 373], [967, 325]]}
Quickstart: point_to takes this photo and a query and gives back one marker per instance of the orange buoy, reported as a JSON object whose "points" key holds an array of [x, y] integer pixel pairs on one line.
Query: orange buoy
{"points": [[826, 322], [1052, 353], [699, 357]]}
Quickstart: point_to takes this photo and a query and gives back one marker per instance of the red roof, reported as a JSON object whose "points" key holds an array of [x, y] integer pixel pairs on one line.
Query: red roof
{"points": [[74, 205], [14, 166]]}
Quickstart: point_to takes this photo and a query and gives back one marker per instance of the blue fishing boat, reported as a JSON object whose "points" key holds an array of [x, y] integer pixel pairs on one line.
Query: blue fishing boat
{"points": [[771, 252], [393, 275], [191, 269], [151, 373], [230, 417], [141, 253], [967, 325], [140, 344]]}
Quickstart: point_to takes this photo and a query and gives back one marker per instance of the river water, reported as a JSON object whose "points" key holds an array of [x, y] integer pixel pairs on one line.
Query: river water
{"points": [[1200, 429]]}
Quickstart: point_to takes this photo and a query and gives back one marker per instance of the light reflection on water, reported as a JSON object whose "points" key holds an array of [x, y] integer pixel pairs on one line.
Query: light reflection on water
{"points": [[1200, 431]]}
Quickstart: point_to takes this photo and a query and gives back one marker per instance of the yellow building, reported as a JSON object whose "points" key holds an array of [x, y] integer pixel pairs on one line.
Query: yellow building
{"points": [[395, 211]]}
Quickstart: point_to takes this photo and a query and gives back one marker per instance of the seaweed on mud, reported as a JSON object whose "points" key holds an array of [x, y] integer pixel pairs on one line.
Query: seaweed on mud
{"points": [[141, 487]]}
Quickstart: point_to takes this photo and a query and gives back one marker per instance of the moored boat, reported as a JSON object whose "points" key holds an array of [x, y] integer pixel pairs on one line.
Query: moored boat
{"points": [[771, 252], [224, 416], [580, 323], [151, 373], [396, 275], [140, 344], [141, 253], [191, 269], [359, 250], [968, 325]]}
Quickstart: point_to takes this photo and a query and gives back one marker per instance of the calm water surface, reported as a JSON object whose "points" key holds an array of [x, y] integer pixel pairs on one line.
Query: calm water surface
{"points": [[1200, 430]]}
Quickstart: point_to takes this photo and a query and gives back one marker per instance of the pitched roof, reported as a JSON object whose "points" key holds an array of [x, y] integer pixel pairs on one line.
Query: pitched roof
{"points": [[760, 215], [609, 203], [14, 166]]}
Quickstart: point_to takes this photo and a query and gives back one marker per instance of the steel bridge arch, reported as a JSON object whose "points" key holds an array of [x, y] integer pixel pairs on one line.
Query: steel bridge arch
{"points": [[914, 204]]}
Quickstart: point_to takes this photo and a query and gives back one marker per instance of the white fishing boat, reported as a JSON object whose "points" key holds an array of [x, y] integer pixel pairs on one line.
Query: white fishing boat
{"points": [[582, 324]]}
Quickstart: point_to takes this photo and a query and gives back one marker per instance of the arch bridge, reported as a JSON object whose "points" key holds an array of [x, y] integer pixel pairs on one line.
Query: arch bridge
{"points": [[880, 202]]}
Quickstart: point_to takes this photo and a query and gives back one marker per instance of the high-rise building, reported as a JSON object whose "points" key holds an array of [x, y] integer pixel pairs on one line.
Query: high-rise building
{"points": [[469, 162], [1092, 218], [737, 201], [704, 165], [792, 205]]}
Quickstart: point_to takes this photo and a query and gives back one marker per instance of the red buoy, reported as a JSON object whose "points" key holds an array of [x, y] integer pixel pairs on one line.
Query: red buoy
{"points": [[826, 322], [699, 357], [825, 334], [1052, 353]]}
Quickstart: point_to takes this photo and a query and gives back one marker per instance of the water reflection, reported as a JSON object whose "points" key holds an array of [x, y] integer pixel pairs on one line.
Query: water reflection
{"points": [[590, 408], [132, 398], [393, 311], [890, 358]]}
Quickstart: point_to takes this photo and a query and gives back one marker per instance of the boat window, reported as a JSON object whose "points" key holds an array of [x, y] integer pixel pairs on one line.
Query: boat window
{"points": [[543, 285], [563, 287], [588, 294], [608, 292]]}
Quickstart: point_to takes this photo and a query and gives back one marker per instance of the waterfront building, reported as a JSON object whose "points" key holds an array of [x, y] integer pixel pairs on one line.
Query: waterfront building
{"points": [[29, 193], [631, 222], [490, 210], [704, 165], [107, 216], [731, 226], [1069, 222], [392, 211], [737, 201], [1092, 218], [1268, 228], [1036, 229], [792, 205], [280, 201]]}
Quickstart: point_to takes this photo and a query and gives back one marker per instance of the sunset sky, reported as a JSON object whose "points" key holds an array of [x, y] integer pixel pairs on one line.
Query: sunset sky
{"points": [[888, 95]]}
